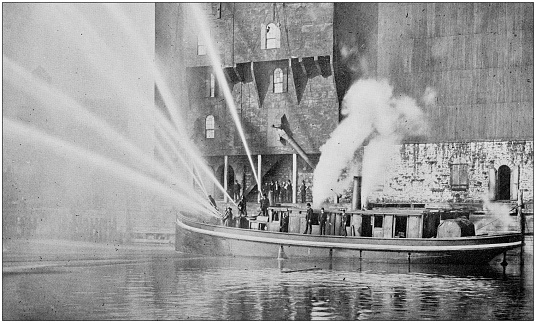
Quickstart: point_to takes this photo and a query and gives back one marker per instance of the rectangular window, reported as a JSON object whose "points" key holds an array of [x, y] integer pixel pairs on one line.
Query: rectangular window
{"points": [[209, 127], [378, 221], [210, 85], [210, 133], [459, 177], [201, 48]]}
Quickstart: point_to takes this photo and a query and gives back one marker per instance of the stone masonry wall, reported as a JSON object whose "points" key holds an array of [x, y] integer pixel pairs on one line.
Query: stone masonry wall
{"points": [[421, 172]]}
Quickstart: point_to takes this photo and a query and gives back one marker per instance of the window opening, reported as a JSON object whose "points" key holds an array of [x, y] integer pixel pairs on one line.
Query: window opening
{"points": [[212, 85], [273, 35], [459, 177], [201, 47], [209, 127], [378, 221], [278, 80], [401, 226], [503, 175]]}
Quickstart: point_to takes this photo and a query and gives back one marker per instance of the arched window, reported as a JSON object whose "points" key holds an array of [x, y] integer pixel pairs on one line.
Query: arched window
{"points": [[278, 80], [209, 127], [271, 36]]}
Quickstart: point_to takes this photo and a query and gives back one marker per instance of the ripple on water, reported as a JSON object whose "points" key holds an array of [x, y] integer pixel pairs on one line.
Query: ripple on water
{"points": [[246, 289]]}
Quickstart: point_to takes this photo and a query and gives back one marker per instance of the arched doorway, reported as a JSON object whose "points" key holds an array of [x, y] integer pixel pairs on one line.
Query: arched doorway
{"points": [[230, 180], [503, 185]]}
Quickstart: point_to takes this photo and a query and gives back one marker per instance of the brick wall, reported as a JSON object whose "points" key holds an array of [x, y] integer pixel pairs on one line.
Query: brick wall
{"points": [[311, 119]]}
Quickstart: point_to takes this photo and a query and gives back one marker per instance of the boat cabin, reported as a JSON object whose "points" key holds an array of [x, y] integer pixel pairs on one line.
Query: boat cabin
{"points": [[379, 223]]}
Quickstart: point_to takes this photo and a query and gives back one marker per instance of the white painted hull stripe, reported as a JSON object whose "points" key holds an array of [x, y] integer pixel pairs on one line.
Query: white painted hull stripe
{"points": [[342, 245]]}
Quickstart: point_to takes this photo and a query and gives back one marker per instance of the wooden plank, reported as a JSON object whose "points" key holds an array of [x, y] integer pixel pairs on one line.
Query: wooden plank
{"points": [[388, 223], [493, 18], [430, 19]]}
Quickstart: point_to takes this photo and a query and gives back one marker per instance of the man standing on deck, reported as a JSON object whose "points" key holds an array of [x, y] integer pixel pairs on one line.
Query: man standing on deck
{"points": [[289, 191], [228, 217], [342, 227], [277, 190], [323, 220], [264, 205], [309, 219], [271, 192], [237, 192], [284, 223], [242, 212], [303, 192]]}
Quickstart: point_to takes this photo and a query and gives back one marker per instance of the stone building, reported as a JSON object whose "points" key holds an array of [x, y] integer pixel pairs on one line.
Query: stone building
{"points": [[292, 63]]}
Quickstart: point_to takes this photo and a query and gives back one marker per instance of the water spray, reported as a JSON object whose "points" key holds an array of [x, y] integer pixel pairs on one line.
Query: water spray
{"points": [[201, 26], [15, 128], [170, 105]]}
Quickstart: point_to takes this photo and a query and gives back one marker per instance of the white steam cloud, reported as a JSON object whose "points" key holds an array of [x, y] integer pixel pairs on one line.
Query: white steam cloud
{"points": [[497, 218], [373, 117]]}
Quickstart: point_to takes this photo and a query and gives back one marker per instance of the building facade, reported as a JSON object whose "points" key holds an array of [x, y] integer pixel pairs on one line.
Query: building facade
{"points": [[292, 63]]}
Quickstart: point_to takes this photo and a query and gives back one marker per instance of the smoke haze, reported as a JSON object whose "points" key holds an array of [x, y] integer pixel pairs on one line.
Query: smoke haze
{"points": [[376, 119]]}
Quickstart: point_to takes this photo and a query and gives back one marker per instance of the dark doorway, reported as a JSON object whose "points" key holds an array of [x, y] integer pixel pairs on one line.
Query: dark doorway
{"points": [[430, 224], [503, 186], [366, 227], [230, 180], [401, 226]]}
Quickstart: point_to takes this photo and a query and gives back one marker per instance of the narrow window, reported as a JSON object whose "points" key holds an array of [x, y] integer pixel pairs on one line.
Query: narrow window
{"points": [[278, 80], [273, 35], [459, 177], [201, 48], [210, 85], [209, 127]]}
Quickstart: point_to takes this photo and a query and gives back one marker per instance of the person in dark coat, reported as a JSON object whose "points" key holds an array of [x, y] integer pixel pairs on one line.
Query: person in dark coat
{"points": [[228, 217], [303, 192], [284, 194], [277, 190], [237, 191], [284, 223], [265, 203], [342, 227], [289, 191], [212, 202], [323, 220], [309, 219], [242, 212], [242, 206]]}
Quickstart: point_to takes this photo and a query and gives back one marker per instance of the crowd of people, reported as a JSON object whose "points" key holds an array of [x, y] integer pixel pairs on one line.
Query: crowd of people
{"points": [[272, 192]]}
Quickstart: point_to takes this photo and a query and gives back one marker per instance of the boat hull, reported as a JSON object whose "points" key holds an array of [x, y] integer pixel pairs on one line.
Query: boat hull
{"points": [[205, 239]]}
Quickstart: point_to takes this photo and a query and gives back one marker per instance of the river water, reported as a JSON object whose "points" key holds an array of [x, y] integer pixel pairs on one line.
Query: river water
{"points": [[54, 280]]}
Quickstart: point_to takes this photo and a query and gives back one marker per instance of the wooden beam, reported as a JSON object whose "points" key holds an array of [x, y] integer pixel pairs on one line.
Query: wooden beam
{"points": [[255, 83], [237, 73]]}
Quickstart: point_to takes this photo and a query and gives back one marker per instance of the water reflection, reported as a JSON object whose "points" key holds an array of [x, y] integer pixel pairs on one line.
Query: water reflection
{"points": [[171, 287]]}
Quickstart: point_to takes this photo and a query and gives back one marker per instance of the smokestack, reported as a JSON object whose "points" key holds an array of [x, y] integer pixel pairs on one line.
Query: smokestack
{"points": [[356, 194]]}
